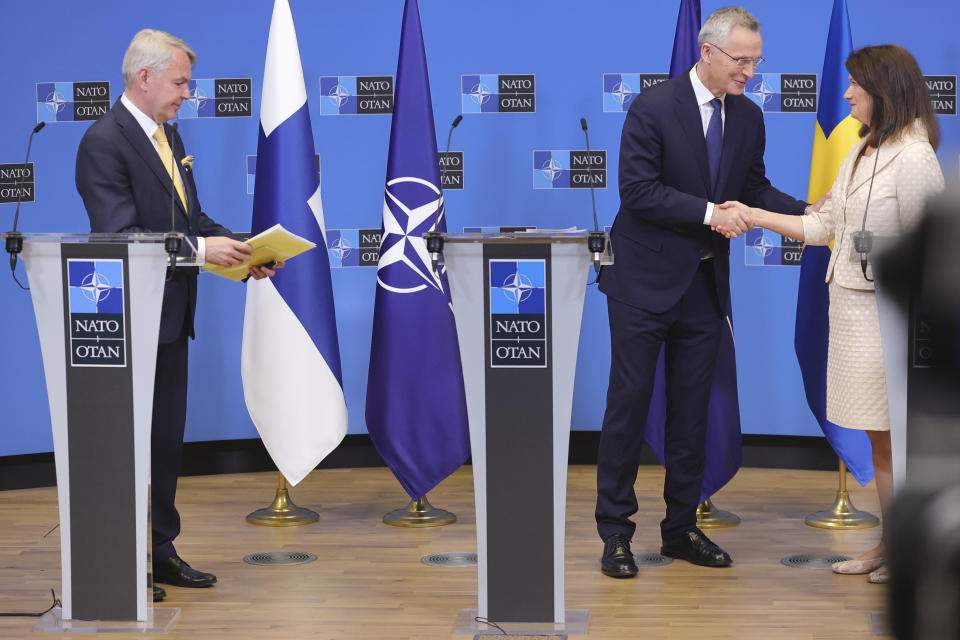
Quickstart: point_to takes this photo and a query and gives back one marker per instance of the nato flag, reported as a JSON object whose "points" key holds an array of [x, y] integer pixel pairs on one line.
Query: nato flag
{"points": [[416, 407]]}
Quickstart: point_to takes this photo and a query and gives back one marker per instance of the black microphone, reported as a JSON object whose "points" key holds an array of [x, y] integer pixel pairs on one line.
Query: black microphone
{"points": [[453, 126], [434, 238], [597, 241], [863, 239], [14, 241], [171, 239]]}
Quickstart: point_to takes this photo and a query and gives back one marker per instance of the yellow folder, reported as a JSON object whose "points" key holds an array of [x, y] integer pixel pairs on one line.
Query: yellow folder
{"points": [[273, 245]]}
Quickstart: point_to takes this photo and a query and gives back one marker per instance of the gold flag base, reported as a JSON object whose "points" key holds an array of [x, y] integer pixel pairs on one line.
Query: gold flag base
{"points": [[419, 513], [709, 517], [842, 515], [283, 512]]}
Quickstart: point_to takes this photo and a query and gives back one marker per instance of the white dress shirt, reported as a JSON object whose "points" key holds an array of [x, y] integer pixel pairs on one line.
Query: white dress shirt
{"points": [[150, 127], [704, 96]]}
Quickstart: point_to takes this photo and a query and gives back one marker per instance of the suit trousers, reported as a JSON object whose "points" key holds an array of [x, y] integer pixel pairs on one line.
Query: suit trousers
{"points": [[689, 334], [166, 442]]}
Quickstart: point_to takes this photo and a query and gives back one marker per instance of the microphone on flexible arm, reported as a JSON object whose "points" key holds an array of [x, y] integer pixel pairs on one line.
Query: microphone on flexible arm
{"points": [[14, 241], [434, 238], [171, 239], [597, 241], [863, 239]]}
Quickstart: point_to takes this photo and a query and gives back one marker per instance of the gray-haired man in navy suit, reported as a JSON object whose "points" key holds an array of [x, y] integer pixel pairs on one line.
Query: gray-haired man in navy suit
{"points": [[130, 165], [688, 143]]}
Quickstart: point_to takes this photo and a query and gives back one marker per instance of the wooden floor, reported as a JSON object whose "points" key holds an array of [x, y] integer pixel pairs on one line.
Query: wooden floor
{"points": [[369, 582]]}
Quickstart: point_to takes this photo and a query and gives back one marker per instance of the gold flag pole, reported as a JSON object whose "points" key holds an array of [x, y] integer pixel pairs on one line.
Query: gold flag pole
{"points": [[419, 513], [842, 515], [709, 517], [283, 512]]}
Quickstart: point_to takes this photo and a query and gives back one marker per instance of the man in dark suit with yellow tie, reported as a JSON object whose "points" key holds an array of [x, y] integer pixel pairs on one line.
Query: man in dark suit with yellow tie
{"points": [[687, 144], [131, 168]]}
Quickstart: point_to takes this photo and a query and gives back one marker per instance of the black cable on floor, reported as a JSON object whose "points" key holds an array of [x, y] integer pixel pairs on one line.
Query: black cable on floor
{"points": [[491, 623], [56, 603]]}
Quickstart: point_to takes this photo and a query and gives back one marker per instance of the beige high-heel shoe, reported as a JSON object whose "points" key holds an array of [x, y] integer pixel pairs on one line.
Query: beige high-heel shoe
{"points": [[857, 567]]}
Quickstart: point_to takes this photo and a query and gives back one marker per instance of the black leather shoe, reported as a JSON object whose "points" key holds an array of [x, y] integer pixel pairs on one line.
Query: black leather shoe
{"points": [[158, 593], [617, 561], [697, 548], [175, 571]]}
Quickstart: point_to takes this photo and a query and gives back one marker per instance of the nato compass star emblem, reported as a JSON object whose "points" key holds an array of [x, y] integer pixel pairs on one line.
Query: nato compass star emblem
{"points": [[198, 98], [763, 246], [480, 93], [411, 207], [622, 91], [341, 247], [339, 94], [517, 287], [56, 102], [551, 169], [95, 287], [764, 93]]}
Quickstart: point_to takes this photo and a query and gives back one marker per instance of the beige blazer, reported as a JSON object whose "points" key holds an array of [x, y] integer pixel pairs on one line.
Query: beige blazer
{"points": [[907, 174]]}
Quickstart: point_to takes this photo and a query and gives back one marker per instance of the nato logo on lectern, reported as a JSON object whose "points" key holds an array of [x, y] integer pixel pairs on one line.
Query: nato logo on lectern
{"points": [[619, 89], [72, 101], [766, 248], [17, 183], [943, 94], [218, 98], [518, 314], [498, 93], [783, 92], [96, 312], [355, 95], [570, 169]]}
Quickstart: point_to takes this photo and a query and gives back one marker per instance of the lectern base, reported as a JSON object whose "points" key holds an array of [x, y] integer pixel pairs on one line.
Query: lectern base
{"points": [[576, 624], [158, 621]]}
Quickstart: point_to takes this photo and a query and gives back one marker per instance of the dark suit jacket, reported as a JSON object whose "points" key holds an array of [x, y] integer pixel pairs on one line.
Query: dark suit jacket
{"points": [[658, 236], [126, 189]]}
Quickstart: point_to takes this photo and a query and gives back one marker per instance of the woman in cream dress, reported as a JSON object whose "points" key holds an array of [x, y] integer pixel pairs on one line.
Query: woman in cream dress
{"points": [[887, 94]]}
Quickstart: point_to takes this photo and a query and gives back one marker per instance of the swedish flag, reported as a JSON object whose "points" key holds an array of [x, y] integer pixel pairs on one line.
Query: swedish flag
{"points": [[834, 136]]}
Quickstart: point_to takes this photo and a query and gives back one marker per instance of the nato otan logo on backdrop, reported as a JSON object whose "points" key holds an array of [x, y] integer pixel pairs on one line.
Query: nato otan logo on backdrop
{"points": [[355, 95], [96, 313], [353, 247], [498, 93], [570, 169], [252, 171], [765, 248], [783, 92], [72, 101], [451, 169], [518, 314], [943, 94], [218, 98], [619, 89], [17, 183]]}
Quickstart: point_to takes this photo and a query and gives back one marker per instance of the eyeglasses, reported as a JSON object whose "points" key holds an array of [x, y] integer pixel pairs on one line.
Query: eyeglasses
{"points": [[741, 62]]}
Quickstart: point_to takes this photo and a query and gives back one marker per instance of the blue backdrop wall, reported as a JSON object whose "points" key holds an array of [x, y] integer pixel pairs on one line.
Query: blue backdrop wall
{"points": [[568, 46]]}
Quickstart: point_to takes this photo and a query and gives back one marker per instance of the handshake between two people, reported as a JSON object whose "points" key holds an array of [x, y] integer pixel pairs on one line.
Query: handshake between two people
{"points": [[733, 218]]}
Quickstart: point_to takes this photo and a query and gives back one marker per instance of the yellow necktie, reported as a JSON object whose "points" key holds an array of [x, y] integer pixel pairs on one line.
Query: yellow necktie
{"points": [[166, 157]]}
